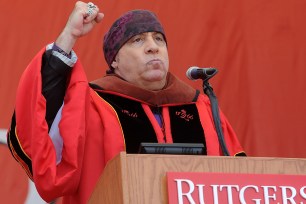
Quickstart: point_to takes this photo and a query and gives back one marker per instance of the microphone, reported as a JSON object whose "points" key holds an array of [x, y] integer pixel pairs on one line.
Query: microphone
{"points": [[194, 73]]}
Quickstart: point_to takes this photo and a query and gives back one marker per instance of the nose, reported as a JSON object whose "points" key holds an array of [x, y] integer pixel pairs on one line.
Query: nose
{"points": [[151, 46]]}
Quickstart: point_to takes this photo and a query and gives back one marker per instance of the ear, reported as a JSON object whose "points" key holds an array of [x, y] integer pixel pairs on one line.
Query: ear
{"points": [[114, 64]]}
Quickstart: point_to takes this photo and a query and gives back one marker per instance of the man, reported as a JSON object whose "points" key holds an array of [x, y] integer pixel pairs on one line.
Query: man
{"points": [[65, 131]]}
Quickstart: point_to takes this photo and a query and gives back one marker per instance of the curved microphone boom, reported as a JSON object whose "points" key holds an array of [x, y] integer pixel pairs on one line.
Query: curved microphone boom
{"points": [[194, 73]]}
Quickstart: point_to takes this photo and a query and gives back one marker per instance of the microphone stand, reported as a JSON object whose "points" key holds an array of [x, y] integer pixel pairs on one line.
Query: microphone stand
{"points": [[208, 90]]}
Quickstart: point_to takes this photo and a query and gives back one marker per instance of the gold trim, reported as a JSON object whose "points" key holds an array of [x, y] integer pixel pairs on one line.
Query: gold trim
{"points": [[116, 116], [20, 144], [21, 161]]}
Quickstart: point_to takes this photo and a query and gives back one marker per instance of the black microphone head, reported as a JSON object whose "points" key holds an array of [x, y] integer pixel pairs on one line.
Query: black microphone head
{"points": [[190, 72], [194, 73]]}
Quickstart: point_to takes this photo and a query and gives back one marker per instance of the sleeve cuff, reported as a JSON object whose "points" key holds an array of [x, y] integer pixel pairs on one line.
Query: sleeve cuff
{"points": [[68, 61]]}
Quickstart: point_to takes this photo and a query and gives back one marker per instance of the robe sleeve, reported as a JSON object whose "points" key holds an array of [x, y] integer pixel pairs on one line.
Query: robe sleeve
{"points": [[230, 137], [28, 137]]}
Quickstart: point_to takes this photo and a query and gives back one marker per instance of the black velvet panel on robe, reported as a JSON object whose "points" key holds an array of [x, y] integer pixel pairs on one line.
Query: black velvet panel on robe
{"points": [[185, 123]]}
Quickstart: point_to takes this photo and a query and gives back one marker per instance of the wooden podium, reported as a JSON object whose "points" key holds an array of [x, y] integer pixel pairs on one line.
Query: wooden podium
{"points": [[141, 178]]}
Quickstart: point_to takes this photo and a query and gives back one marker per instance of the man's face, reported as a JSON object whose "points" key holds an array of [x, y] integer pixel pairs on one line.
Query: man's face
{"points": [[143, 61]]}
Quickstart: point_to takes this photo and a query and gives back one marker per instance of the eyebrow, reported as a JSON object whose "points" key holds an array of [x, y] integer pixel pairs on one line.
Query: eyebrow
{"points": [[146, 33]]}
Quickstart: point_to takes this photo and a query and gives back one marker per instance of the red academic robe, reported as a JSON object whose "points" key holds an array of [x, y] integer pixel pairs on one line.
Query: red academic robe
{"points": [[91, 132]]}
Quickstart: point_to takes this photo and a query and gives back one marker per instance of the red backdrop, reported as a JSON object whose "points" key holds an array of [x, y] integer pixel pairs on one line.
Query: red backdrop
{"points": [[258, 46]]}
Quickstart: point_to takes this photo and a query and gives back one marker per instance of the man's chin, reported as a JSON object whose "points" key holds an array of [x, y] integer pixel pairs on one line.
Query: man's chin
{"points": [[156, 76]]}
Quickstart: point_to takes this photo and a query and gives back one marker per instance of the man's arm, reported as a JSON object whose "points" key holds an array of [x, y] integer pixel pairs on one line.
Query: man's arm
{"points": [[78, 25], [28, 138], [58, 61]]}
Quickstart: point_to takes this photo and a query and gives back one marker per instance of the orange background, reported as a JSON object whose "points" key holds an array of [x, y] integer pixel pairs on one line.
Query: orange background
{"points": [[258, 46]]}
